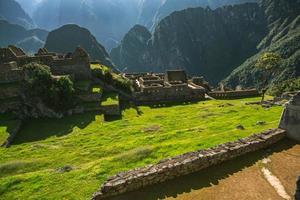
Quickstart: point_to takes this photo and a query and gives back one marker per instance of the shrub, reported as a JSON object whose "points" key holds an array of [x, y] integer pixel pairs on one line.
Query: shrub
{"points": [[117, 81], [55, 92], [290, 85]]}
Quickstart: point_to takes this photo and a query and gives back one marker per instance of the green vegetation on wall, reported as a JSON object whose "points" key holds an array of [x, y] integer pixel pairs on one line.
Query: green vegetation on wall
{"points": [[55, 92], [106, 75]]}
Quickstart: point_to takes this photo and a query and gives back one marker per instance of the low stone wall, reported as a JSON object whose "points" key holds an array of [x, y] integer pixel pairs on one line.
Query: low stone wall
{"points": [[111, 110], [185, 164], [234, 94], [91, 97]]}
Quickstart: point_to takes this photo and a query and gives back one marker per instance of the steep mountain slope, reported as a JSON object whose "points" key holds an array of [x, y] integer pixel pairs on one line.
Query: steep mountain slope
{"points": [[283, 38], [11, 11], [66, 38], [29, 40], [170, 6], [202, 41], [131, 53]]}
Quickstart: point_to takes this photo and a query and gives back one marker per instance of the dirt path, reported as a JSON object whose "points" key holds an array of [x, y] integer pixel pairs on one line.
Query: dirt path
{"points": [[268, 174], [271, 178]]}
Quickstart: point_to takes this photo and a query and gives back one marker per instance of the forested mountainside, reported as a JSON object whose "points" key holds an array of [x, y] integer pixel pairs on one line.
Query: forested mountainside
{"points": [[213, 43], [28, 40], [202, 41], [12, 12], [66, 38], [283, 38]]}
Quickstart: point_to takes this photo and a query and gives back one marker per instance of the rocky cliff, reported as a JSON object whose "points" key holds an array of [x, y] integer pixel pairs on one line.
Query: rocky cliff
{"points": [[66, 38], [202, 41]]}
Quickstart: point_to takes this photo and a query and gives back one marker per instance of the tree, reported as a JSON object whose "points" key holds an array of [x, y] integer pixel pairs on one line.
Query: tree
{"points": [[268, 63]]}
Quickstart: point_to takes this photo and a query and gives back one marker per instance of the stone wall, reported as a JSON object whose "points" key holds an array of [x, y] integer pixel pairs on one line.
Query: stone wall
{"points": [[111, 110], [234, 94], [9, 105], [9, 90], [173, 93], [185, 164], [9, 72], [90, 97], [290, 119]]}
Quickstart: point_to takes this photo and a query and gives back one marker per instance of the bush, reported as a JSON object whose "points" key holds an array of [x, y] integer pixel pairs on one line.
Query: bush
{"points": [[117, 81], [290, 85], [55, 92]]}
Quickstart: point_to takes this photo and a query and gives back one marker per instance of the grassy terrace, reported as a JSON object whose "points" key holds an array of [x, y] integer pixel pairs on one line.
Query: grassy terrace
{"points": [[110, 99], [96, 149]]}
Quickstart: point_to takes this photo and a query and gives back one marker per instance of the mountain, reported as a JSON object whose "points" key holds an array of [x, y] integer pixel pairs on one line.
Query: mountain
{"points": [[12, 12], [132, 52], [170, 6], [107, 20], [29, 40], [202, 41], [110, 20], [66, 38], [283, 38], [29, 6]]}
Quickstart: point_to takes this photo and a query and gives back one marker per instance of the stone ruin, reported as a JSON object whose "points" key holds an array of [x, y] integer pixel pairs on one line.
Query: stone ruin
{"points": [[171, 86], [290, 119], [76, 64], [12, 60]]}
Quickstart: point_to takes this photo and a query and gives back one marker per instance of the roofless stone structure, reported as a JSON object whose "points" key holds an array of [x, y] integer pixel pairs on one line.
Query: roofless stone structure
{"points": [[76, 64]]}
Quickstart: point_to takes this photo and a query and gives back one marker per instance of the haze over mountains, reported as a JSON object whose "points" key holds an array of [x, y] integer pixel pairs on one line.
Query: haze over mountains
{"points": [[205, 37], [109, 20]]}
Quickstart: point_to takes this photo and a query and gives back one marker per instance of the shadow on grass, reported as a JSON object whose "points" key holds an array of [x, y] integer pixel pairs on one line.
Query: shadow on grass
{"points": [[9, 122], [40, 129], [204, 178]]}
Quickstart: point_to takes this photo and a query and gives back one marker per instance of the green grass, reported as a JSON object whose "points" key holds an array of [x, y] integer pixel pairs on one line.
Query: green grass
{"points": [[99, 66], [96, 149], [96, 89], [7, 122], [110, 99]]}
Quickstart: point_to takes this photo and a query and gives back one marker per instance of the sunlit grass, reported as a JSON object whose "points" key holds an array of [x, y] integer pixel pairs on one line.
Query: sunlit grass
{"points": [[96, 149]]}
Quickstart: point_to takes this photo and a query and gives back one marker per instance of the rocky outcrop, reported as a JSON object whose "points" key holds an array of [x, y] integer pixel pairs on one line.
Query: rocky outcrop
{"points": [[72, 36], [202, 41], [185, 164], [290, 119]]}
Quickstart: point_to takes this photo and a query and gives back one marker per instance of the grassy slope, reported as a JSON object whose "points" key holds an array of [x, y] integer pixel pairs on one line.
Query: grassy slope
{"points": [[98, 149]]}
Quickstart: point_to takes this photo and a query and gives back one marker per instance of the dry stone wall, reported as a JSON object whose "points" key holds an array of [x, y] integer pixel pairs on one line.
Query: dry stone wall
{"points": [[234, 94], [185, 164]]}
